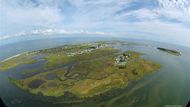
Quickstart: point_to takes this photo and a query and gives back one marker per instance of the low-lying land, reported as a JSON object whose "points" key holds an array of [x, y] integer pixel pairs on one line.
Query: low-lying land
{"points": [[20, 59], [170, 51], [85, 70]]}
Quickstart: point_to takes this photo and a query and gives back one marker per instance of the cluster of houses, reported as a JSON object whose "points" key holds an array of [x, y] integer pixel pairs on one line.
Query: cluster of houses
{"points": [[121, 60], [90, 49]]}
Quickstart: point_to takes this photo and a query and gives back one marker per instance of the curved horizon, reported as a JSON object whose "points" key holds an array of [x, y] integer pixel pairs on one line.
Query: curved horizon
{"points": [[158, 20]]}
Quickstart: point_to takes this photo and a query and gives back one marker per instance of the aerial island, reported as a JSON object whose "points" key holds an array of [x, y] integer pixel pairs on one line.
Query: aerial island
{"points": [[84, 69], [170, 51]]}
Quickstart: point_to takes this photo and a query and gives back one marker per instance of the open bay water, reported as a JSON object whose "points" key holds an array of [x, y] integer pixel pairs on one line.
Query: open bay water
{"points": [[169, 86]]}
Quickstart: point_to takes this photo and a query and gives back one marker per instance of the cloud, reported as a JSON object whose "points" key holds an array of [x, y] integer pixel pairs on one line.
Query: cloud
{"points": [[52, 32], [154, 19], [15, 16], [142, 14], [175, 9]]}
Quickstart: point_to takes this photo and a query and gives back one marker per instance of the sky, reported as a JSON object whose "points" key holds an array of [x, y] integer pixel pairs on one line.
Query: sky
{"points": [[159, 20]]}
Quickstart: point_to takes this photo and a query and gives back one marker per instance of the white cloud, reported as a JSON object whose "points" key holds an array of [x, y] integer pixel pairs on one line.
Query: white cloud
{"points": [[18, 17], [52, 32], [175, 9], [142, 14], [96, 17]]}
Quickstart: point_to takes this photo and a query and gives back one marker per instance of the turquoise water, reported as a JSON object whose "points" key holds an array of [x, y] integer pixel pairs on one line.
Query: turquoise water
{"points": [[168, 86]]}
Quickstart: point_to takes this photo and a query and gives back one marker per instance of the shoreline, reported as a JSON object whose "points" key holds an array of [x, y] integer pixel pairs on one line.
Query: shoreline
{"points": [[13, 56]]}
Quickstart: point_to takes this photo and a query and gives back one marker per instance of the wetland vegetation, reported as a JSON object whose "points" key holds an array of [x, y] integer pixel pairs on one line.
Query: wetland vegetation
{"points": [[170, 51], [84, 70]]}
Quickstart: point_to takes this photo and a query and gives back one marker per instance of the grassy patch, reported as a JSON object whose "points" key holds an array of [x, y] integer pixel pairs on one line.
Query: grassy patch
{"points": [[62, 59], [16, 61], [29, 71], [91, 74]]}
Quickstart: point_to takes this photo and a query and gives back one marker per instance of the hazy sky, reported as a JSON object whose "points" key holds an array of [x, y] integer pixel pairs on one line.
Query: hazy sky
{"points": [[161, 20]]}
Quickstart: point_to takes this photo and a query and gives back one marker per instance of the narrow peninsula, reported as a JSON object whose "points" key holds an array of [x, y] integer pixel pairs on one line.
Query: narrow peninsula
{"points": [[170, 51]]}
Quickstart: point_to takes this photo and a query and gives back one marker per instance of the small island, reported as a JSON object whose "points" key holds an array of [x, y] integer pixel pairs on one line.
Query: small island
{"points": [[170, 51], [84, 70]]}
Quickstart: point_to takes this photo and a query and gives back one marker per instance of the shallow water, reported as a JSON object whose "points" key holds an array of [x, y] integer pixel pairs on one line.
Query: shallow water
{"points": [[168, 86]]}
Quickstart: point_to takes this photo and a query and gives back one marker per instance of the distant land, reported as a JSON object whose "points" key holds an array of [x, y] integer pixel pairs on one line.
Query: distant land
{"points": [[170, 51]]}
